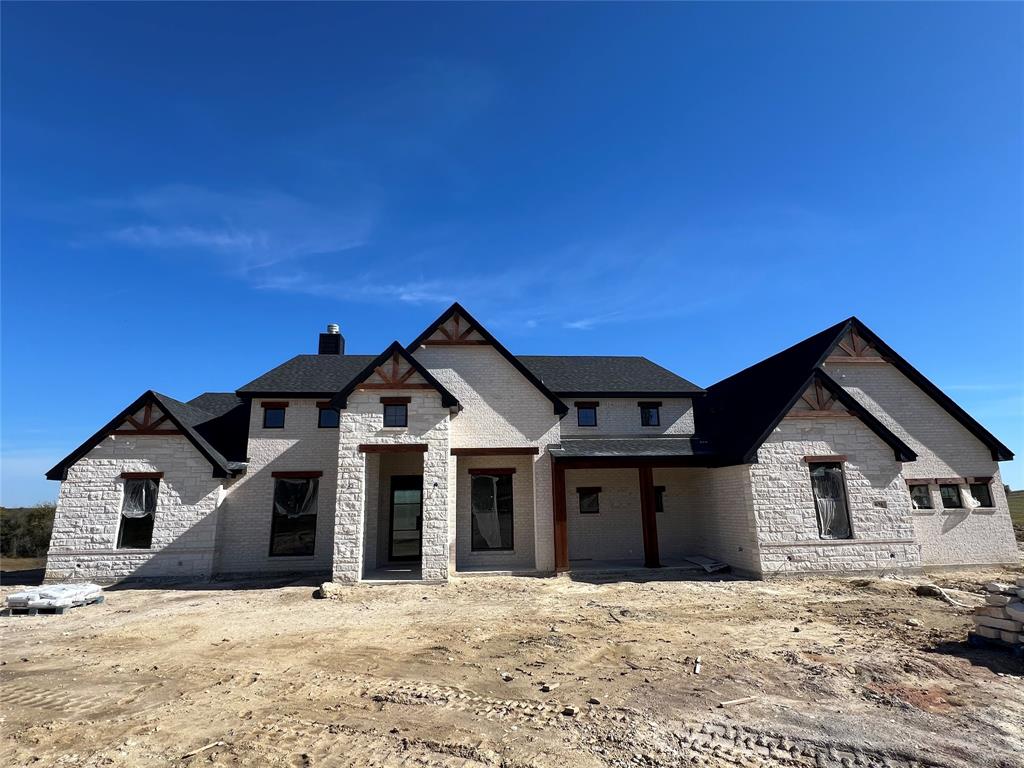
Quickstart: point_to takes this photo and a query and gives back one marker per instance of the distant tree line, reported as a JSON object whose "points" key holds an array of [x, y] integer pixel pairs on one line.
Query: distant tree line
{"points": [[25, 531]]}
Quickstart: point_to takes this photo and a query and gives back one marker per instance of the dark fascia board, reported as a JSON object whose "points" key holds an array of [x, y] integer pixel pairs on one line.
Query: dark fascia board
{"points": [[633, 394], [278, 395], [999, 451], [60, 470], [340, 399], [901, 450], [560, 408]]}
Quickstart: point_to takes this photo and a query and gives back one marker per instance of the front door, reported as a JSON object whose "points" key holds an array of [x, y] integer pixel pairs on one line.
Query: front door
{"points": [[406, 517]]}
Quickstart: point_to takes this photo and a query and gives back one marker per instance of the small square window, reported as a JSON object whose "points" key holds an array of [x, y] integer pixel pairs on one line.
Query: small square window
{"points": [[921, 496], [396, 415], [650, 414], [659, 498], [982, 493], [328, 418], [590, 500], [951, 496], [586, 415], [273, 418]]}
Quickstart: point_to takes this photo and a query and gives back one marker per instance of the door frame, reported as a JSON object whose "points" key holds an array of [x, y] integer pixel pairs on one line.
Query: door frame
{"points": [[405, 483]]}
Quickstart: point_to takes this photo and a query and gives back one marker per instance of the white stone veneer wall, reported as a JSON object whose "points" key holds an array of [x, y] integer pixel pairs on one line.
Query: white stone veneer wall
{"points": [[708, 512], [880, 509], [84, 540], [522, 556], [246, 515], [945, 449], [363, 422], [614, 533], [500, 409], [621, 416]]}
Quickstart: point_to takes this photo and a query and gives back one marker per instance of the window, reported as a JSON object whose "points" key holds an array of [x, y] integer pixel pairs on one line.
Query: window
{"points": [[650, 414], [829, 490], [590, 500], [491, 497], [273, 415], [138, 509], [586, 414], [293, 522], [951, 496], [982, 493], [921, 496], [659, 498], [396, 411], [327, 417]]}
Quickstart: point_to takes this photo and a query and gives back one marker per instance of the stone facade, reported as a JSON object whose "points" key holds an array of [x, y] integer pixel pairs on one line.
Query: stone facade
{"points": [[522, 557], [945, 449], [787, 525], [85, 526], [245, 517], [760, 518], [500, 409], [363, 423]]}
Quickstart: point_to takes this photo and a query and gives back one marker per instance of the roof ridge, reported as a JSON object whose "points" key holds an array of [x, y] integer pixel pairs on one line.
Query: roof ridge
{"points": [[832, 330]]}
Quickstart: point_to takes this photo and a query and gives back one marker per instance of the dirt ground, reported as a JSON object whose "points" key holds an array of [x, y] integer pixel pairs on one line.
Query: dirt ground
{"points": [[456, 675]]}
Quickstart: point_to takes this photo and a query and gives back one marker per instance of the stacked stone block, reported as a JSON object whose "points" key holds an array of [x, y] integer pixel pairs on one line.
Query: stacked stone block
{"points": [[1002, 616]]}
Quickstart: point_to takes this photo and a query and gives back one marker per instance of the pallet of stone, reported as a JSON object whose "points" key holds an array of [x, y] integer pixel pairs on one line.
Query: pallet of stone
{"points": [[53, 599], [54, 610]]}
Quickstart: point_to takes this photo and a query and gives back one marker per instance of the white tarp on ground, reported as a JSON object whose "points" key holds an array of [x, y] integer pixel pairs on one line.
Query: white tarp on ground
{"points": [[54, 596]]}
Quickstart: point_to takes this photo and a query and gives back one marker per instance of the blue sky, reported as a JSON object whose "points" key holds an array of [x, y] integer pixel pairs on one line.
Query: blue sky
{"points": [[190, 192]]}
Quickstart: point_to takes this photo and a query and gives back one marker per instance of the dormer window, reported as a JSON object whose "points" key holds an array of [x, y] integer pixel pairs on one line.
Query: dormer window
{"points": [[396, 411], [273, 415], [650, 414], [586, 414]]}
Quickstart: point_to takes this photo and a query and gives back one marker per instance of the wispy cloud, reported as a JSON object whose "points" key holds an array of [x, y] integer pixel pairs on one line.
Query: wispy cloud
{"points": [[189, 237], [248, 230], [273, 241]]}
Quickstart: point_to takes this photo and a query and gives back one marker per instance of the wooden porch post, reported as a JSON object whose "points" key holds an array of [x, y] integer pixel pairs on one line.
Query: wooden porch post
{"points": [[649, 518], [558, 508]]}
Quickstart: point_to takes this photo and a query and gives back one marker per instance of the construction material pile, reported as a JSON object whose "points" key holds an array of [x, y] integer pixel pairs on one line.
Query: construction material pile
{"points": [[55, 599], [1002, 617]]}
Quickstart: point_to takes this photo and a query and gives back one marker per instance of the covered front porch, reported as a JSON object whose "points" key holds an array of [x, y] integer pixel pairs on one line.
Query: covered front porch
{"points": [[626, 504]]}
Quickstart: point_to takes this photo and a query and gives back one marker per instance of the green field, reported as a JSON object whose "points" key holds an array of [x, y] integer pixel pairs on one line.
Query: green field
{"points": [[1016, 501]]}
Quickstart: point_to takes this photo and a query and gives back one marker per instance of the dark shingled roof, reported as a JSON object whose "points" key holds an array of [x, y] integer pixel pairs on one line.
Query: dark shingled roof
{"points": [[739, 412], [314, 375], [629, 447], [607, 376], [228, 429], [599, 375], [217, 436]]}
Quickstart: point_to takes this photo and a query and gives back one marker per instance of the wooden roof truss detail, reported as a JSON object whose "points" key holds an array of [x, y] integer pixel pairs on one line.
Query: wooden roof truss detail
{"points": [[148, 422]]}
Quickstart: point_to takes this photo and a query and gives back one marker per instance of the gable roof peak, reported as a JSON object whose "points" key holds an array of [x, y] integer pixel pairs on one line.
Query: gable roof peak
{"points": [[395, 352], [474, 327], [186, 419]]}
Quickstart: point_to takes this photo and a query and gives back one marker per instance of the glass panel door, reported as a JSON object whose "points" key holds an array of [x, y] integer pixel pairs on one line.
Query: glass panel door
{"points": [[406, 517]]}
